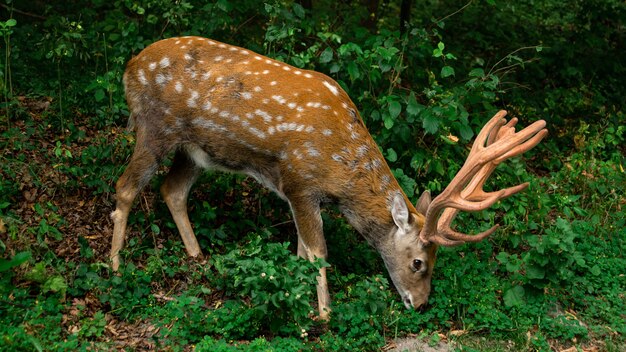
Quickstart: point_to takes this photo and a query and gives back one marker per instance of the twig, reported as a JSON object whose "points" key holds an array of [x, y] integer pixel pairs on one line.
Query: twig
{"points": [[455, 12], [23, 12]]}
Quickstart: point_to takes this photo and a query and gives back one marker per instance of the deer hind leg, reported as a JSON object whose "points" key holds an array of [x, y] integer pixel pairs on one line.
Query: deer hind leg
{"points": [[142, 166], [175, 191], [312, 245]]}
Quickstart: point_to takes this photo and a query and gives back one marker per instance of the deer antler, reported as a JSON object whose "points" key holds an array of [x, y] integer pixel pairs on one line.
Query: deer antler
{"points": [[495, 143]]}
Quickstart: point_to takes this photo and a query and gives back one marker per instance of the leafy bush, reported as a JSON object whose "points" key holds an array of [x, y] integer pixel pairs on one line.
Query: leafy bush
{"points": [[278, 285]]}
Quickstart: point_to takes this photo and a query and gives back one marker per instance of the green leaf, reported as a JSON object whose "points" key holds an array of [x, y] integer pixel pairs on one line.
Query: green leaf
{"points": [[535, 272], [298, 10], [17, 260], [413, 108], [353, 71], [55, 284], [447, 71], [477, 72], [466, 132], [10, 22], [430, 123], [595, 270], [388, 121], [392, 156], [514, 296], [155, 228], [99, 95], [326, 55], [395, 108]]}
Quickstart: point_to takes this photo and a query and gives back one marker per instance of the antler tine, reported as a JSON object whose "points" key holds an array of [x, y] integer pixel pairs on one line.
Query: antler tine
{"points": [[496, 142]]}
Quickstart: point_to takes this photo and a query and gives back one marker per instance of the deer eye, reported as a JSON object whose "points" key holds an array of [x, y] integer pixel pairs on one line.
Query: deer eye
{"points": [[417, 265]]}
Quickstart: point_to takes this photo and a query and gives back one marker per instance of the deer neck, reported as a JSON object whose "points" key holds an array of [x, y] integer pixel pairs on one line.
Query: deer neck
{"points": [[367, 204]]}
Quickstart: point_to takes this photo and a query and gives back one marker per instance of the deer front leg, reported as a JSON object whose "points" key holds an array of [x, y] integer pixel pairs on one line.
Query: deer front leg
{"points": [[312, 245], [175, 191]]}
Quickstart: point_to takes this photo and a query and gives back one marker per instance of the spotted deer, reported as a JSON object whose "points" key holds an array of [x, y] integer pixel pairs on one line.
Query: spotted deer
{"points": [[297, 133]]}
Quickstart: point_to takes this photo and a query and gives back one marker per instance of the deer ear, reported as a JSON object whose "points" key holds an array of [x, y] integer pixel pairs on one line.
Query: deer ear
{"points": [[400, 213], [423, 202]]}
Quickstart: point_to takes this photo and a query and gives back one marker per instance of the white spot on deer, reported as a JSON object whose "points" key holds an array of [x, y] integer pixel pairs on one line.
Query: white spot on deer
{"points": [[376, 163], [142, 77], [309, 129], [308, 75], [279, 118], [313, 152], [325, 107], [211, 42], [271, 130], [297, 72], [245, 123], [165, 62], [245, 62], [361, 150], [257, 89], [178, 86], [191, 102], [152, 66], [235, 118], [214, 110], [207, 105], [265, 101], [232, 48], [384, 182], [354, 135], [327, 132], [219, 79], [300, 128], [331, 88], [177, 42], [224, 113], [258, 58], [279, 99], [266, 72], [247, 73], [222, 45], [313, 104], [161, 79], [206, 75], [249, 115], [229, 61], [292, 105], [286, 68], [272, 83], [276, 64], [267, 117], [257, 132], [208, 124], [337, 157], [218, 58], [244, 52], [297, 154], [246, 95], [188, 57]]}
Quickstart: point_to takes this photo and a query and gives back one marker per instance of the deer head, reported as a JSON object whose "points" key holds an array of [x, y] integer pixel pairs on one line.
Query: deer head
{"points": [[297, 132], [416, 238]]}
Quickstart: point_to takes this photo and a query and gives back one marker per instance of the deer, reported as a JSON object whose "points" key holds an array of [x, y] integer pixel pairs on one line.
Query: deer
{"points": [[221, 107]]}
